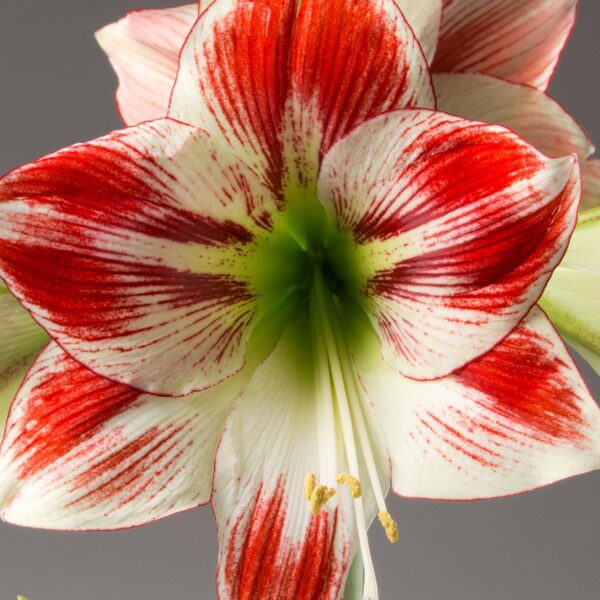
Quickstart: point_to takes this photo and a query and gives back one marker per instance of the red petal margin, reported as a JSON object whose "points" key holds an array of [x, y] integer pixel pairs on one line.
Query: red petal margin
{"points": [[459, 226], [100, 454], [283, 79], [517, 40], [518, 418], [121, 248]]}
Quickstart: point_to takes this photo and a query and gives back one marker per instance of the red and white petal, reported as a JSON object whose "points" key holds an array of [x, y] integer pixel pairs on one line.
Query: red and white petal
{"points": [[459, 226], [21, 340], [124, 249], [271, 546], [81, 452], [537, 118], [143, 49], [590, 179], [518, 40], [425, 18], [283, 80], [518, 418]]}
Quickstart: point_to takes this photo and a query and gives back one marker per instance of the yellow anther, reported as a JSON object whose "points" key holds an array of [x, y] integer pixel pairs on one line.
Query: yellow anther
{"points": [[352, 482], [319, 498], [391, 529], [310, 483]]}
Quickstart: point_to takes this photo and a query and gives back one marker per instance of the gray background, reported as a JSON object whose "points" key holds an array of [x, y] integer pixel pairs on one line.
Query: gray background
{"points": [[57, 89]]}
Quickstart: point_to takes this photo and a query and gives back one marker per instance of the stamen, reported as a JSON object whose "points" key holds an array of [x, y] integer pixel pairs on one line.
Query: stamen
{"points": [[323, 313], [310, 483], [391, 529], [319, 498], [352, 482]]}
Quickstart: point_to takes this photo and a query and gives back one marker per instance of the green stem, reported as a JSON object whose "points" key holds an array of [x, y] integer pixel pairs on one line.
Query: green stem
{"points": [[354, 582]]}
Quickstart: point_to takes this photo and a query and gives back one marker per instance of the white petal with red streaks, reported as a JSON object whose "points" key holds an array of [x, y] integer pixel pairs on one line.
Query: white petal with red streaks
{"points": [[283, 80], [458, 226], [518, 40], [518, 418], [143, 49], [21, 339], [81, 452], [271, 546], [425, 18], [138, 237]]}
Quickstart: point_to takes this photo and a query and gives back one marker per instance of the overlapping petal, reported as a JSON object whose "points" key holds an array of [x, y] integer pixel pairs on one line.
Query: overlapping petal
{"points": [[271, 546], [518, 40], [82, 452], [143, 49], [125, 249], [425, 18], [20, 342], [283, 80], [459, 226], [536, 117], [571, 297], [518, 418]]}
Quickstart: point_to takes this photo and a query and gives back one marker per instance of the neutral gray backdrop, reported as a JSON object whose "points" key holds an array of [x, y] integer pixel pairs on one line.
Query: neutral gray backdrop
{"points": [[57, 89]]}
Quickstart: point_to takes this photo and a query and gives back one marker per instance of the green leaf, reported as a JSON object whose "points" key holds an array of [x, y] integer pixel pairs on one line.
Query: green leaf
{"points": [[572, 297]]}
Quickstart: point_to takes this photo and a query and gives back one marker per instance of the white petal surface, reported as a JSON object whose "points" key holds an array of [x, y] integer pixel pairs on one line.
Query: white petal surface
{"points": [[81, 452], [518, 418], [143, 49], [425, 18]]}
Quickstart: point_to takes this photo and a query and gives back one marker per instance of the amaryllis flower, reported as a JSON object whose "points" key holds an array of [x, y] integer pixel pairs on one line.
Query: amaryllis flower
{"points": [[492, 61], [302, 286]]}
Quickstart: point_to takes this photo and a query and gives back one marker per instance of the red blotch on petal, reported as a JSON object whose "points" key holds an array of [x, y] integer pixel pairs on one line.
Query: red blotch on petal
{"points": [[261, 563]]}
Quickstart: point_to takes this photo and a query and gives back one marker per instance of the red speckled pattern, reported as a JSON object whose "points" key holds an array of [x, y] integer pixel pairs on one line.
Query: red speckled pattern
{"points": [[513, 420], [102, 454], [261, 563], [465, 222], [107, 245], [518, 40], [283, 79]]}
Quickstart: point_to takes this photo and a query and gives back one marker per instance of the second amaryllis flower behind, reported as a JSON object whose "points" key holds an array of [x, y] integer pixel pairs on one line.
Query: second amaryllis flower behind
{"points": [[309, 267]]}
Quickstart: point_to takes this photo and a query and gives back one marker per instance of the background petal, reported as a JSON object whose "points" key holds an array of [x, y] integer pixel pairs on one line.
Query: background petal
{"points": [[143, 49], [518, 40]]}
